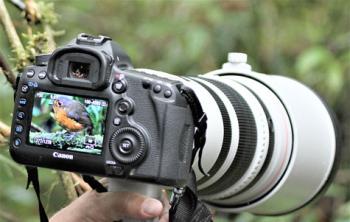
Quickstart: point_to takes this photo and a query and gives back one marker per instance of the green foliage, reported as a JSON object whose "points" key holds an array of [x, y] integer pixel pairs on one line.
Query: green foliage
{"points": [[48, 14], [36, 45]]}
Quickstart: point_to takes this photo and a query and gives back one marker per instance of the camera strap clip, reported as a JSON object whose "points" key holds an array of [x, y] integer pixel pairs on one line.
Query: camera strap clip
{"points": [[200, 123], [185, 205], [175, 196]]}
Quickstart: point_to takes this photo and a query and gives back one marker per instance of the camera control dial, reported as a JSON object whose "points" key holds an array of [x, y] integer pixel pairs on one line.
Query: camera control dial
{"points": [[128, 145]]}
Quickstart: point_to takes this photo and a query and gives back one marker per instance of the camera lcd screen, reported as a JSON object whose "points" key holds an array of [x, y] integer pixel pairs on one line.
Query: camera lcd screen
{"points": [[65, 122], [79, 70]]}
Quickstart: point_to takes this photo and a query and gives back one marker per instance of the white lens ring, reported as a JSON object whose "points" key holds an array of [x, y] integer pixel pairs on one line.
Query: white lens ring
{"points": [[215, 129], [234, 136], [262, 141], [313, 131], [282, 144]]}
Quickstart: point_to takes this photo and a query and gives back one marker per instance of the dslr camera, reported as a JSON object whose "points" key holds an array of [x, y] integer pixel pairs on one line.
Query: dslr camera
{"points": [[83, 109], [271, 143]]}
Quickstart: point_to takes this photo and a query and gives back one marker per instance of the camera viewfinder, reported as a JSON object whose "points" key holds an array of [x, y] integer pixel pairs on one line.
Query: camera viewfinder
{"points": [[79, 70]]}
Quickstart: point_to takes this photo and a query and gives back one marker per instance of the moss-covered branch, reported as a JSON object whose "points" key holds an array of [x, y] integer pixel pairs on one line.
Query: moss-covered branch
{"points": [[12, 35]]}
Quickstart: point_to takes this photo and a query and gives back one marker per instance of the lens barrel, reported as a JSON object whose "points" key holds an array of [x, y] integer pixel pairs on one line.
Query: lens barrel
{"points": [[286, 149], [272, 144]]}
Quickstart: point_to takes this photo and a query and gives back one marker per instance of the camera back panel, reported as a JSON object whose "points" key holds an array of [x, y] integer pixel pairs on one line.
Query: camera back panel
{"points": [[138, 127]]}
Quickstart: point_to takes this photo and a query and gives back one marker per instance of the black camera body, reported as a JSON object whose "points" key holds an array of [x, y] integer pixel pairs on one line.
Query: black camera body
{"points": [[84, 109]]}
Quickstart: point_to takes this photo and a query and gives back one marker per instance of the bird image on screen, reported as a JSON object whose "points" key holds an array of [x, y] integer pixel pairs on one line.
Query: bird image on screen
{"points": [[68, 122], [71, 115]]}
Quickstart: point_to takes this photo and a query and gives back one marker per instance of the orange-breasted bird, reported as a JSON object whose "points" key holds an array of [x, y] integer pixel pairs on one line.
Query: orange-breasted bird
{"points": [[71, 115]]}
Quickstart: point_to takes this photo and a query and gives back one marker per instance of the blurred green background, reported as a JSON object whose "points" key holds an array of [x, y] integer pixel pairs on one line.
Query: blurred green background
{"points": [[307, 40]]}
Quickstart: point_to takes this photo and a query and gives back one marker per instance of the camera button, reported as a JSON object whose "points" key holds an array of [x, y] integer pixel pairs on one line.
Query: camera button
{"points": [[167, 94], [117, 170], [17, 142], [21, 115], [146, 84], [42, 75], [22, 101], [113, 169], [25, 88], [19, 128], [125, 146], [30, 73], [119, 86], [157, 88], [125, 107], [117, 121]]}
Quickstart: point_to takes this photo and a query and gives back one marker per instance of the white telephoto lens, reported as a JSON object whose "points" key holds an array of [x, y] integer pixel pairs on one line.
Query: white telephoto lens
{"points": [[271, 146], [292, 152]]}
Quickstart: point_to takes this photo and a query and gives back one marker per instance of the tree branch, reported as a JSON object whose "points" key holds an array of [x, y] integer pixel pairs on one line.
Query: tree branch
{"points": [[68, 185], [45, 16], [32, 14], [12, 35], [51, 44], [3, 140], [81, 183], [7, 71], [5, 130]]}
